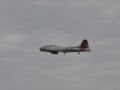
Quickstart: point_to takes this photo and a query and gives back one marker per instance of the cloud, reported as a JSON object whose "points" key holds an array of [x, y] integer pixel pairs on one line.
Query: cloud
{"points": [[26, 25]]}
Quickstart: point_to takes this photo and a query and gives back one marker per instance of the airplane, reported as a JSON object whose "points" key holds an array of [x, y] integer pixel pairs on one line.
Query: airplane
{"points": [[53, 49]]}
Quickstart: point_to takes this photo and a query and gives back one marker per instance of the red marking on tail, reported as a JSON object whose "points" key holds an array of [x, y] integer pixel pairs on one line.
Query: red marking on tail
{"points": [[84, 44]]}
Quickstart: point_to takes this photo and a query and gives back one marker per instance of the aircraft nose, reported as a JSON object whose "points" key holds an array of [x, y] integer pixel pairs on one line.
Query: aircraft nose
{"points": [[41, 49]]}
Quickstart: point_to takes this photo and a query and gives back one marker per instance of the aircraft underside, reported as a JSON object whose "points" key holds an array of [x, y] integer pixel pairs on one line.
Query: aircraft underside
{"points": [[56, 52]]}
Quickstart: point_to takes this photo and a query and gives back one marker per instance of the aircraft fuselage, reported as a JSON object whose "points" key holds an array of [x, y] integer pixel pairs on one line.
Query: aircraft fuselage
{"points": [[84, 47]]}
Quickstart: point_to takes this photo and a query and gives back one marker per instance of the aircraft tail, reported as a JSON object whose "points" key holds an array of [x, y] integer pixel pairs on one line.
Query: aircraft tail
{"points": [[84, 44]]}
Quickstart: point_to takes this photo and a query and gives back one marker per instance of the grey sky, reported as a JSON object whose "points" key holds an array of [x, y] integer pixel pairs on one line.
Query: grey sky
{"points": [[26, 25]]}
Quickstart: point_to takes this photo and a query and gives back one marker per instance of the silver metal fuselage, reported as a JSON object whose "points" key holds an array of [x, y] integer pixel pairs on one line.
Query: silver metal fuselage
{"points": [[55, 49]]}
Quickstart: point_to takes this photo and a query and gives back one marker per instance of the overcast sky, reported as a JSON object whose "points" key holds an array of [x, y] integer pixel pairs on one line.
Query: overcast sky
{"points": [[26, 25]]}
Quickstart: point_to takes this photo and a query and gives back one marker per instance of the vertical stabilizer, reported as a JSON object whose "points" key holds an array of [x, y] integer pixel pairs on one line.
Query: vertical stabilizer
{"points": [[84, 44]]}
